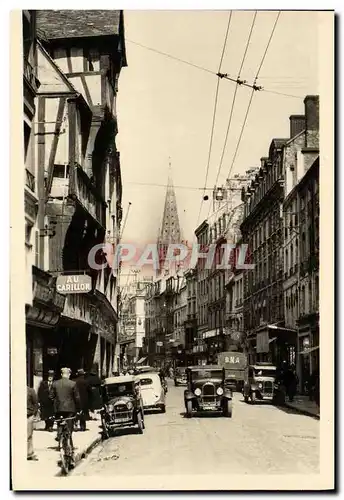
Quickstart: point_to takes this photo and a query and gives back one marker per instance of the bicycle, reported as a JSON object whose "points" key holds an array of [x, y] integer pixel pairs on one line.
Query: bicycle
{"points": [[65, 444]]}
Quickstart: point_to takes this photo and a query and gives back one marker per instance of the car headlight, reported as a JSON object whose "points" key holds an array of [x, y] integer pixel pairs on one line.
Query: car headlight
{"points": [[129, 405], [219, 391], [110, 408], [260, 386], [198, 391]]}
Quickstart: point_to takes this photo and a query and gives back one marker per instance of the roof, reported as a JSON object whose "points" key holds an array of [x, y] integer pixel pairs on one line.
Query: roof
{"points": [[56, 24], [120, 380], [145, 374], [259, 367], [205, 367]]}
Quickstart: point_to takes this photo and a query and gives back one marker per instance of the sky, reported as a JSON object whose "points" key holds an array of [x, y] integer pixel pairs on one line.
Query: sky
{"points": [[165, 108]]}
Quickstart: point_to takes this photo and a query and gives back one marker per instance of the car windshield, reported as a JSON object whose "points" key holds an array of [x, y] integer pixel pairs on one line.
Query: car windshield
{"points": [[114, 390], [264, 372], [200, 374], [146, 381]]}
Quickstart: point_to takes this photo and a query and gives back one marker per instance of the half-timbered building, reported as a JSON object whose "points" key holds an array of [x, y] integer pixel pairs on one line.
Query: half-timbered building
{"points": [[79, 58]]}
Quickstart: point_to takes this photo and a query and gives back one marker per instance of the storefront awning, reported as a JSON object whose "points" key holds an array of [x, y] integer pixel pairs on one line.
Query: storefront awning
{"points": [[271, 340], [310, 349]]}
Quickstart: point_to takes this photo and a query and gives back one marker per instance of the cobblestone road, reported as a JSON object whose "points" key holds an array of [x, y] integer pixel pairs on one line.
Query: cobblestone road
{"points": [[258, 439]]}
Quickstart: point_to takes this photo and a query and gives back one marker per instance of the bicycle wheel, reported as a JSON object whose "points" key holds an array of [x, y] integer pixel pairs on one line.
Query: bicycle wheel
{"points": [[64, 458]]}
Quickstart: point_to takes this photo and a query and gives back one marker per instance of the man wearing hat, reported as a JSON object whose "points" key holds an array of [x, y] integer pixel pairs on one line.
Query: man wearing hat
{"points": [[66, 399], [46, 402], [84, 393]]}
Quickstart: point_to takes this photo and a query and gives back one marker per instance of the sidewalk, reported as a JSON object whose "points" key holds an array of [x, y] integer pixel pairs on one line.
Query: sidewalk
{"points": [[305, 406], [45, 447]]}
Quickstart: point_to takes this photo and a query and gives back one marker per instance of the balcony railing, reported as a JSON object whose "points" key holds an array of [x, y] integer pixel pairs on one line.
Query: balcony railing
{"points": [[29, 180], [82, 189]]}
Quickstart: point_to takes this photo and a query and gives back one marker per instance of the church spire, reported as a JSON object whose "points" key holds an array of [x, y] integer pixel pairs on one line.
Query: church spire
{"points": [[170, 229]]}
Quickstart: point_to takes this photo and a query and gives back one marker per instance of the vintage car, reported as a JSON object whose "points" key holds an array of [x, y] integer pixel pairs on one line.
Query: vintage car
{"points": [[206, 390], [180, 376], [122, 404], [152, 390], [260, 383]]}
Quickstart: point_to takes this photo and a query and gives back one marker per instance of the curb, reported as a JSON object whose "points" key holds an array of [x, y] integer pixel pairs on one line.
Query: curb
{"points": [[82, 454], [302, 411]]}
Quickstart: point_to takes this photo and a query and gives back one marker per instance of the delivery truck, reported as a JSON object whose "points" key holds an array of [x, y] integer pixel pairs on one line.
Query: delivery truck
{"points": [[235, 365]]}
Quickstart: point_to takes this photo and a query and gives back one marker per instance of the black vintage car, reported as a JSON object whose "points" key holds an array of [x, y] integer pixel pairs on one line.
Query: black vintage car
{"points": [[122, 404], [207, 391], [180, 376]]}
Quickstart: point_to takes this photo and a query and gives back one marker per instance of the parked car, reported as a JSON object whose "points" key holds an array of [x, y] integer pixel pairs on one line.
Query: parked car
{"points": [[123, 406], [152, 390], [261, 383], [206, 390], [180, 376]]}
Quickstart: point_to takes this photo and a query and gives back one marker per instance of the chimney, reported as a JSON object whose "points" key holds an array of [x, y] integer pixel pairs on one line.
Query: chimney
{"points": [[297, 124], [312, 121], [263, 160]]}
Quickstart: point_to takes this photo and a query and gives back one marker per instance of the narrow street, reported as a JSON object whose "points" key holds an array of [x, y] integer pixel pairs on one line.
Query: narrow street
{"points": [[258, 439]]}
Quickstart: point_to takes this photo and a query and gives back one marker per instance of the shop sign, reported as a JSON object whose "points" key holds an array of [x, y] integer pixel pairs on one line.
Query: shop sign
{"points": [[42, 293], [79, 283], [263, 342], [59, 300]]}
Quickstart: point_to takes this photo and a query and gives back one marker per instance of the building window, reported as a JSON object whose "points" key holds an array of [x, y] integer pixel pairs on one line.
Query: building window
{"points": [[310, 297], [27, 134], [28, 231], [37, 248]]}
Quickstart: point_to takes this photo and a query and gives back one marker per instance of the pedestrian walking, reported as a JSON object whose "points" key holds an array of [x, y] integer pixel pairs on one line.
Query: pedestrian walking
{"points": [[31, 411], [46, 402], [94, 384], [290, 382], [66, 400], [84, 393]]}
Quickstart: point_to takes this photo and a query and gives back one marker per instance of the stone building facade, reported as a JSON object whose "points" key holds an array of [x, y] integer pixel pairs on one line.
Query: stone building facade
{"points": [[301, 238]]}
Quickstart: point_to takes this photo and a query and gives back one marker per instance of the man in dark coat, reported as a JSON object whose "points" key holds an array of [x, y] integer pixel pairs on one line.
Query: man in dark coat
{"points": [[94, 383], [46, 402], [84, 393], [66, 400]]}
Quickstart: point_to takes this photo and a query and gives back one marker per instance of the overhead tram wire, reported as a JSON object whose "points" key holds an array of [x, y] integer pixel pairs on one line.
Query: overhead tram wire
{"points": [[249, 105], [233, 102], [252, 93], [206, 70], [214, 116]]}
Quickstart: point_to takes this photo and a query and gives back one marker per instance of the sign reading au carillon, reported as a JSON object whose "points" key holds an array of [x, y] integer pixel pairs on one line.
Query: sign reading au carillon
{"points": [[74, 284]]}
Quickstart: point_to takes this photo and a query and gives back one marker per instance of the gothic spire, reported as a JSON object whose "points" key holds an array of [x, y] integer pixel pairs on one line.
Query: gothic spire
{"points": [[170, 228]]}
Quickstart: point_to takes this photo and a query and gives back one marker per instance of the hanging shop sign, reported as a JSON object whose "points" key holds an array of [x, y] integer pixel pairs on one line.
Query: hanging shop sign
{"points": [[78, 283], [263, 342]]}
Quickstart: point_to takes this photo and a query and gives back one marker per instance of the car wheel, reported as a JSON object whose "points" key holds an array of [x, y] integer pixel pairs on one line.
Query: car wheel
{"points": [[227, 411], [189, 409], [163, 408], [253, 397], [140, 423]]}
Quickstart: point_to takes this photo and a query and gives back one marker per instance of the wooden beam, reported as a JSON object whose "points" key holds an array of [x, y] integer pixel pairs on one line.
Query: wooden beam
{"points": [[69, 60], [87, 92], [54, 144], [40, 176]]}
